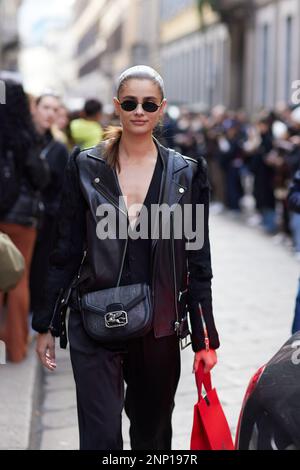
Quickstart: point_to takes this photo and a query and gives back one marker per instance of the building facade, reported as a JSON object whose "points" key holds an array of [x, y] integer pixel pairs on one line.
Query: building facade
{"points": [[9, 39], [238, 53], [141, 35], [194, 55], [90, 77], [244, 54], [111, 35], [264, 51], [272, 53]]}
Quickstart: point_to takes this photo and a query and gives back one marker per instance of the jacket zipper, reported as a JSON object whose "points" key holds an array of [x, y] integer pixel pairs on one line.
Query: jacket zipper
{"points": [[153, 257], [177, 322], [206, 339], [122, 263], [105, 194], [63, 290], [51, 327], [80, 267]]}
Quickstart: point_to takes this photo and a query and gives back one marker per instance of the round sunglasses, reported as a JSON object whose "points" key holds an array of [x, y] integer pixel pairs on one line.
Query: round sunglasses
{"points": [[148, 106]]}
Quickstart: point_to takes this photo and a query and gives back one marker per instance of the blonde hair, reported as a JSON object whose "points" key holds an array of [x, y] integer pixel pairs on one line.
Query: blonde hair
{"points": [[113, 134]]}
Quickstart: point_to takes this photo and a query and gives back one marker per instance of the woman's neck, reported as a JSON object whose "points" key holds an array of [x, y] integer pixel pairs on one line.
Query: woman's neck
{"points": [[136, 147]]}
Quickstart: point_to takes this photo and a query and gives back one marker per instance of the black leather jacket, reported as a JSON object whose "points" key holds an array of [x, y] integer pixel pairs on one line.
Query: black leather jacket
{"points": [[90, 182], [34, 176]]}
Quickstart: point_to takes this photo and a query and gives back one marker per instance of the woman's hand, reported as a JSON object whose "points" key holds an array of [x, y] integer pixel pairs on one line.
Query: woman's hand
{"points": [[209, 359], [45, 348]]}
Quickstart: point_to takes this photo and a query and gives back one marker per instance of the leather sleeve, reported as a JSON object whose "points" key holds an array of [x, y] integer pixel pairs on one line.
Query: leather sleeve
{"points": [[69, 244], [200, 270]]}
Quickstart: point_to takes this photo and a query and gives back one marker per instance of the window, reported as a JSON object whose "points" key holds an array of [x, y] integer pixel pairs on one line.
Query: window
{"points": [[288, 57], [264, 65], [170, 8], [89, 38]]}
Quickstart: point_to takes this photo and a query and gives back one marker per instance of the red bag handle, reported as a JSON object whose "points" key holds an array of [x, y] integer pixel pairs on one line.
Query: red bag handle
{"points": [[202, 379]]}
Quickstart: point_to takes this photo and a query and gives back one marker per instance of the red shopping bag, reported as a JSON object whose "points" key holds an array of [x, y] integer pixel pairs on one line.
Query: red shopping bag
{"points": [[210, 428]]}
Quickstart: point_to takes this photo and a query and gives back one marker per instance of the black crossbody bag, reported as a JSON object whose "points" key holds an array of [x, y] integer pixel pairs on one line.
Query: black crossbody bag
{"points": [[119, 313], [126, 312]]}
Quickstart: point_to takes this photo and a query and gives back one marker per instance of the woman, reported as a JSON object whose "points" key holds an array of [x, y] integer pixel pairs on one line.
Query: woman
{"points": [[28, 174], [131, 163]]}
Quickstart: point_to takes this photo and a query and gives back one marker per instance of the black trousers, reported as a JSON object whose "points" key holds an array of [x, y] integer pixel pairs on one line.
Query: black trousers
{"points": [[150, 367]]}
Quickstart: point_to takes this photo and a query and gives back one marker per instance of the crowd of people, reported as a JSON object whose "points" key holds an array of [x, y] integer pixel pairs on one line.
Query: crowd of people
{"points": [[251, 165]]}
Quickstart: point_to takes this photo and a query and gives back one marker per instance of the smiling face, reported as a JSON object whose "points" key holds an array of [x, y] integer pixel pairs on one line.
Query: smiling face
{"points": [[139, 121]]}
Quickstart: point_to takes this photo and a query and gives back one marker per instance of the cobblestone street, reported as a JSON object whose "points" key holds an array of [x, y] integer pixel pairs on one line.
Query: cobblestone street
{"points": [[254, 291]]}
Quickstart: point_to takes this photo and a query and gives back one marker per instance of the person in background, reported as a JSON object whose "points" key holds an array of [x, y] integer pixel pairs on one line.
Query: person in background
{"points": [[264, 174], [294, 205], [86, 131], [28, 174], [212, 132], [45, 112], [232, 161], [292, 157], [60, 128]]}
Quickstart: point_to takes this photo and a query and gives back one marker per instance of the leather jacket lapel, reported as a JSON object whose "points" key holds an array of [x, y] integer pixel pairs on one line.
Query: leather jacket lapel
{"points": [[171, 190], [105, 180]]}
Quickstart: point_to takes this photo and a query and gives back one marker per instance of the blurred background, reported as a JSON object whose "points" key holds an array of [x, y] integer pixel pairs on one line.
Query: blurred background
{"points": [[232, 79], [238, 53]]}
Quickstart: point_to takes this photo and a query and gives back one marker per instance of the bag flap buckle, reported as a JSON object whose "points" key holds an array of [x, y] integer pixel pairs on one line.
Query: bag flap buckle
{"points": [[116, 319]]}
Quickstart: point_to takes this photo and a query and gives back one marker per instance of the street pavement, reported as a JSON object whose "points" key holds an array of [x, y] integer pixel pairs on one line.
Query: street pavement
{"points": [[18, 383], [254, 290]]}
